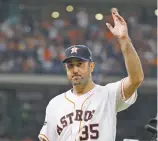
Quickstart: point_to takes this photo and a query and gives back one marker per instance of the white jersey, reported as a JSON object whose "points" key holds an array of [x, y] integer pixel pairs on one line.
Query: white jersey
{"points": [[89, 117]]}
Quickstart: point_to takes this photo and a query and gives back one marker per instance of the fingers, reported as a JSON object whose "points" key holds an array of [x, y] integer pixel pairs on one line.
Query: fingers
{"points": [[116, 20], [116, 16], [114, 10], [109, 27], [120, 18]]}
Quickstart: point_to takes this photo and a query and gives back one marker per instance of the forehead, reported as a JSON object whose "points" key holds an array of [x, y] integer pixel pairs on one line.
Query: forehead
{"points": [[74, 61]]}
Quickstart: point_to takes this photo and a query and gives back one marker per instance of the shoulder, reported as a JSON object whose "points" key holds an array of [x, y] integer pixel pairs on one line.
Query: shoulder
{"points": [[57, 100], [107, 86], [111, 87], [102, 89], [114, 85]]}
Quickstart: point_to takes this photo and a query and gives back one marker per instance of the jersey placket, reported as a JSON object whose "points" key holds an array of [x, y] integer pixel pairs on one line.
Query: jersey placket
{"points": [[79, 121], [76, 122]]}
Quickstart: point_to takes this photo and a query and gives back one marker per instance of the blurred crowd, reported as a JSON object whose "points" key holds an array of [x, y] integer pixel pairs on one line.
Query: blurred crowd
{"points": [[32, 46]]}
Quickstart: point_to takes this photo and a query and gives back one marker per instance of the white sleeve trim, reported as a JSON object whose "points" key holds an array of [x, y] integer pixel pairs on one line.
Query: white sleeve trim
{"points": [[132, 99]]}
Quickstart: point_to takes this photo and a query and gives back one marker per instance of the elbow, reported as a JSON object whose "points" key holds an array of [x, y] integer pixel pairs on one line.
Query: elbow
{"points": [[139, 79]]}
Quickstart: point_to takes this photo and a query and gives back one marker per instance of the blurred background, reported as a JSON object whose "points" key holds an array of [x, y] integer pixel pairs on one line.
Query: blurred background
{"points": [[33, 37]]}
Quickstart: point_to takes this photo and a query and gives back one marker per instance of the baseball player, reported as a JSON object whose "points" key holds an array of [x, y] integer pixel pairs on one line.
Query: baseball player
{"points": [[87, 112]]}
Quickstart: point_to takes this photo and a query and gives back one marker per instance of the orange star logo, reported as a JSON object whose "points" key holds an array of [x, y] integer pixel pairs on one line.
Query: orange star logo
{"points": [[74, 50]]}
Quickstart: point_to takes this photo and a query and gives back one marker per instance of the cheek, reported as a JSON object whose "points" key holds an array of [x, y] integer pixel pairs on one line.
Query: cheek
{"points": [[69, 74], [87, 72]]}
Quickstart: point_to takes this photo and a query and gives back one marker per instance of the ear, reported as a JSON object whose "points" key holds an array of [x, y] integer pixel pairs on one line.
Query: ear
{"points": [[92, 66], [65, 67]]}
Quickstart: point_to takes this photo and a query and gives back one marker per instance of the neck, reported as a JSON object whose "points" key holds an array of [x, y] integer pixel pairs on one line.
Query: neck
{"points": [[84, 88]]}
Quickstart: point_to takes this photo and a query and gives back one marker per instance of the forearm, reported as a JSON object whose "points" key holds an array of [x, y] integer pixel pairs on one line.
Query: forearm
{"points": [[132, 61]]}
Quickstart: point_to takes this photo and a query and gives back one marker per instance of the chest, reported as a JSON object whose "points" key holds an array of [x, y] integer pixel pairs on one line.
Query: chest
{"points": [[93, 106]]}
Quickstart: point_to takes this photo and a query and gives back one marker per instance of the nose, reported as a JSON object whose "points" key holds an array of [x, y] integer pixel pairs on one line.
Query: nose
{"points": [[75, 69]]}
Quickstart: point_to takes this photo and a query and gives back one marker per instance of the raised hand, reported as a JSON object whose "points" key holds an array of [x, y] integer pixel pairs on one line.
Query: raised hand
{"points": [[120, 29]]}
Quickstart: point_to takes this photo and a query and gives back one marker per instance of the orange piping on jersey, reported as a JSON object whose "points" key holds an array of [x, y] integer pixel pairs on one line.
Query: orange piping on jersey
{"points": [[70, 101], [44, 136], [122, 90], [81, 109]]}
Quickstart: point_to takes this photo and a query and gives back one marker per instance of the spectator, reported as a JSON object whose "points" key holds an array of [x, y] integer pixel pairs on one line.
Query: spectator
{"points": [[39, 48]]}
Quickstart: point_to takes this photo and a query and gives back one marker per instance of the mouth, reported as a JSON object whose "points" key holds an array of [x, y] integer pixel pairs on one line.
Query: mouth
{"points": [[76, 77]]}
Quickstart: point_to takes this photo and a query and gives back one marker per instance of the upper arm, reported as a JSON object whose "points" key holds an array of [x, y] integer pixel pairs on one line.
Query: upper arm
{"points": [[117, 95], [128, 88]]}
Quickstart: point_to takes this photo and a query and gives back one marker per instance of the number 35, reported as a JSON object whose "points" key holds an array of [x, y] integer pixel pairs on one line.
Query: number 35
{"points": [[90, 131]]}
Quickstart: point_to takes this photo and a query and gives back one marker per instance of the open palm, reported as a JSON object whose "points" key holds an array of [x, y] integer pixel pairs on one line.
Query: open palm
{"points": [[120, 29]]}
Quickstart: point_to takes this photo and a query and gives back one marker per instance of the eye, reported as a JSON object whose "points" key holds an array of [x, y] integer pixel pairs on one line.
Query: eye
{"points": [[69, 65], [79, 64]]}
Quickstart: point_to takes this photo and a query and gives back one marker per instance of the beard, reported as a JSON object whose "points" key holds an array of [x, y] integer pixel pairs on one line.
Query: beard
{"points": [[77, 80]]}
